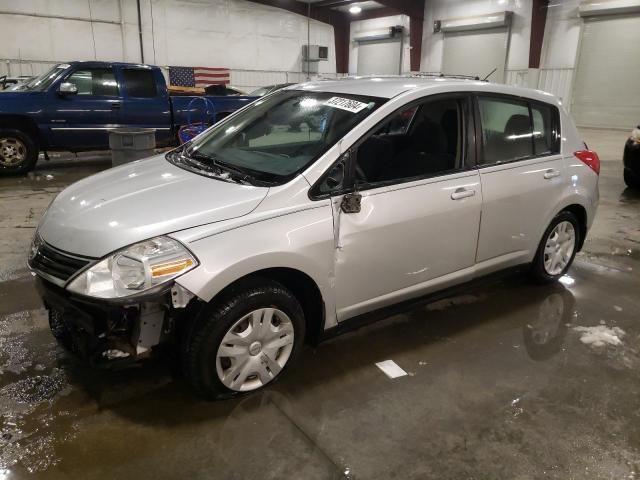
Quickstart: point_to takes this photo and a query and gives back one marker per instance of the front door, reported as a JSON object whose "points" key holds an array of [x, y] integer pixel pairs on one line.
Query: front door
{"points": [[417, 226], [82, 120]]}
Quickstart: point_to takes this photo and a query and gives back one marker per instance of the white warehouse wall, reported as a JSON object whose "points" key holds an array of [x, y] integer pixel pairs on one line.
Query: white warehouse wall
{"points": [[237, 34], [361, 26], [432, 43], [561, 35], [560, 49]]}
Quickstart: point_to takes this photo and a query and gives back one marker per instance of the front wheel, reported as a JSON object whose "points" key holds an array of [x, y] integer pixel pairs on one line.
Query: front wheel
{"points": [[245, 341], [18, 152], [557, 248]]}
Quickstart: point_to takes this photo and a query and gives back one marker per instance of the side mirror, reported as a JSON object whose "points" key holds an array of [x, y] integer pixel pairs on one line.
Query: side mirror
{"points": [[351, 203], [67, 88]]}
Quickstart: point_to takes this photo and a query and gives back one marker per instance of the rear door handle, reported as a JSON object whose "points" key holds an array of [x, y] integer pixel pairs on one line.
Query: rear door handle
{"points": [[462, 192], [551, 173]]}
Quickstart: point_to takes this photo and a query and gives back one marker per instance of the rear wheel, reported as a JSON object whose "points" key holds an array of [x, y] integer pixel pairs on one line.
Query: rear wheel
{"points": [[244, 342], [557, 248], [18, 152], [631, 180]]}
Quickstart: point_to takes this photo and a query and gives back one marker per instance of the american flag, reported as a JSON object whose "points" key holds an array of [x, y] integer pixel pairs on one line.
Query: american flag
{"points": [[198, 76]]}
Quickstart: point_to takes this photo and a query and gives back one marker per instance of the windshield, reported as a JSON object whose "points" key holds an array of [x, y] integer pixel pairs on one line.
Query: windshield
{"points": [[278, 136], [42, 82]]}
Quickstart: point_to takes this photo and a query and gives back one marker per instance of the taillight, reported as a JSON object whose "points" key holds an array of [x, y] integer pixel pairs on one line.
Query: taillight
{"points": [[590, 159]]}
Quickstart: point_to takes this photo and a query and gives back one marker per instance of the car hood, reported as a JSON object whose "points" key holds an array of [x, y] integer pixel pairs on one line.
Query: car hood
{"points": [[14, 101], [141, 200]]}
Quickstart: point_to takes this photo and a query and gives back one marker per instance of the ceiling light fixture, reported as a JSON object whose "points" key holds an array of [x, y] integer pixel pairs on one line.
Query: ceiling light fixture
{"points": [[355, 9]]}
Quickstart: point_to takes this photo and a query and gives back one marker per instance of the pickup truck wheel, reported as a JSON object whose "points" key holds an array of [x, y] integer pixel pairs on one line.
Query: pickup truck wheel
{"points": [[245, 341], [557, 248], [18, 152]]}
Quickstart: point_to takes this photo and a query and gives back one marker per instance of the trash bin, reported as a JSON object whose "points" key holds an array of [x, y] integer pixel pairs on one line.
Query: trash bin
{"points": [[129, 144]]}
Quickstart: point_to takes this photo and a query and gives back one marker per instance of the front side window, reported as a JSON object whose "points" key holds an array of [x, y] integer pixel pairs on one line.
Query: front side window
{"points": [[506, 130], [278, 136], [418, 141], [95, 81]]}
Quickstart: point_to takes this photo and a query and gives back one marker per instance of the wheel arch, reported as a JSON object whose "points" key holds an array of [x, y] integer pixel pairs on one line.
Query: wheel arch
{"points": [[24, 124], [299, 283], [581, 214]]}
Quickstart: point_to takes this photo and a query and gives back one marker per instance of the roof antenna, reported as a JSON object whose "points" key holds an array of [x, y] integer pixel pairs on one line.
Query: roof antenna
{"points": [[490, 73]]}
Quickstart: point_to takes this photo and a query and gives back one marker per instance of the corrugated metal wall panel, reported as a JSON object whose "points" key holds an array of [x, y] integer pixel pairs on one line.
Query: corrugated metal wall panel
{"points": [[557, 81]]}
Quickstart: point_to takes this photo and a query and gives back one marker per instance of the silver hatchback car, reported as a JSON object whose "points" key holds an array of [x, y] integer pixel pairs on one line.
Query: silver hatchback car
{"points": [[310, 210]]}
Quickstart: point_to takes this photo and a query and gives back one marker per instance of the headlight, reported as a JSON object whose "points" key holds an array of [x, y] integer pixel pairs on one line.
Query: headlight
{"points": [[135, 269], [36, 243]]}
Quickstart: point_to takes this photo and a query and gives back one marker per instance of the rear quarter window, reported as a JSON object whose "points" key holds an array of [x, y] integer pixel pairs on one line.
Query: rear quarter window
{"points": [[546, 128], [139, 83]]}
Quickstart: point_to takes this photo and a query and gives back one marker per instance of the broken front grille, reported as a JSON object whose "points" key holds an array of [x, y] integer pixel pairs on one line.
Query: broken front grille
{"points": [[55, 264]]}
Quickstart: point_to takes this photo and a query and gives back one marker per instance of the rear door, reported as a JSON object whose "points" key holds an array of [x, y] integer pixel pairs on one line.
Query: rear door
{"points": [[83, 120], [145, 104], [522, 175]]}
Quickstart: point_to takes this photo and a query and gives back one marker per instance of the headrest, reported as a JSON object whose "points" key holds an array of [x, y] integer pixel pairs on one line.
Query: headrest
{"points": [[518, 125]]}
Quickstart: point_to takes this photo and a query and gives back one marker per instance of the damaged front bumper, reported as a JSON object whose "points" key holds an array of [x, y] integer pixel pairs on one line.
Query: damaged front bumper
{"points": [[123, 330]]}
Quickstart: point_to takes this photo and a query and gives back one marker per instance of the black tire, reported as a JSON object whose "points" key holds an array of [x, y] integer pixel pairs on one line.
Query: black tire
{"points": [[201, 344], [538, 271], [11, 138], [631, 180]]}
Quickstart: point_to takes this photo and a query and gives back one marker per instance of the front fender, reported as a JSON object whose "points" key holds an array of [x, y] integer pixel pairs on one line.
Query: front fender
{"points": [[301, 241]]}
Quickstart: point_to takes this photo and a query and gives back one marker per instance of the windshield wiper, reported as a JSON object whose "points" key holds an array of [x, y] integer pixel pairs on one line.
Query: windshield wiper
{"points": [[207, 164], [209, 161]]}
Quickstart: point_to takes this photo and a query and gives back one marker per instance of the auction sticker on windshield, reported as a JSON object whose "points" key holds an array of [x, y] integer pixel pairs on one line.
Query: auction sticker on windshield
{"points": [[347, 104]]}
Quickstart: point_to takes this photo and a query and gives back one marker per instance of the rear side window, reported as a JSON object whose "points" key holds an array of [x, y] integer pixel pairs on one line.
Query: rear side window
{"points": [[139, 83], [514, 129], [506, 130]]}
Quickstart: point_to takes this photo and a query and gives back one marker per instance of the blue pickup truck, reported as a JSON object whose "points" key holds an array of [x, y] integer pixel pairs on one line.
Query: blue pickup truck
{"points": [[73, 106]]}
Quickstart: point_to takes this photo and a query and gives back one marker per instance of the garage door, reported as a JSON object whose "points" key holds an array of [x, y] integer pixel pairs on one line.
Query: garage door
{"points": [[607, 82], [380, 57], [476, 52]]}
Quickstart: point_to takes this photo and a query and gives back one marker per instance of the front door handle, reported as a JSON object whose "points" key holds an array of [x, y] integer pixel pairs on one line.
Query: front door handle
{"points": [[115, 105], [462, 192], [551, 173]]}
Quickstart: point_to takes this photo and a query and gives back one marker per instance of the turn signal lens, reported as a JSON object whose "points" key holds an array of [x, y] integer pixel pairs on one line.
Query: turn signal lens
{"points": [[590, 159], [170, 268]]}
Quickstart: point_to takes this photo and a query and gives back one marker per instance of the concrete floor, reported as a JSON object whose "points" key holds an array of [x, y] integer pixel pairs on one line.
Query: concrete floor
{"points": [[500, 384]]}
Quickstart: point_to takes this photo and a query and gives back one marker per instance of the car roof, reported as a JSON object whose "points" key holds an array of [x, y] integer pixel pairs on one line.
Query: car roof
{"points": [[99, 64], [391, 86]]}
